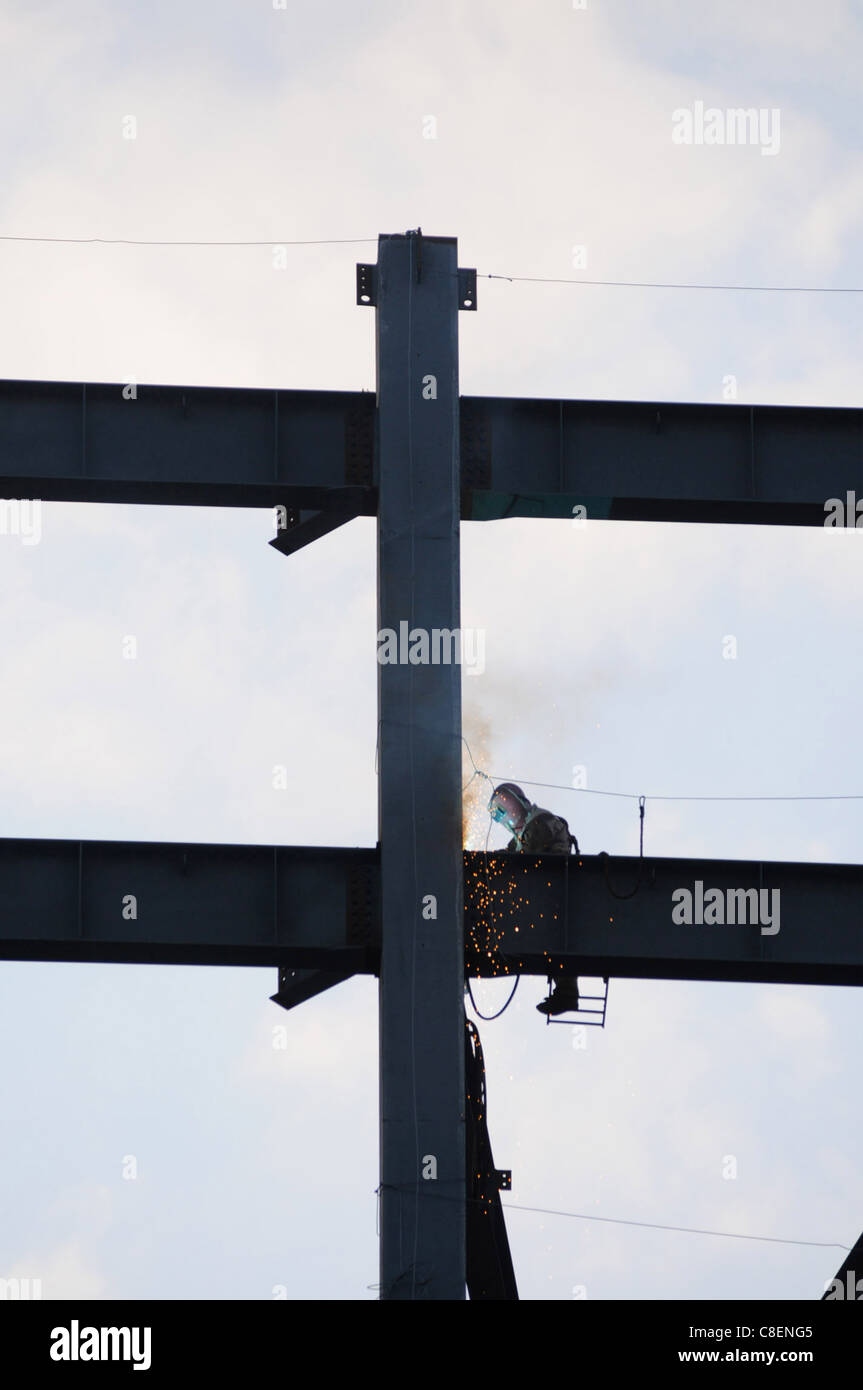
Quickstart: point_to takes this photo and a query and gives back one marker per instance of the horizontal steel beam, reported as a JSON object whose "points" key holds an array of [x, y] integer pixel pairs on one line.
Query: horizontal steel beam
{"points": [[620, 460], [308, 908], [573, 915], [305, 909], [633, 461], [187, 445]]}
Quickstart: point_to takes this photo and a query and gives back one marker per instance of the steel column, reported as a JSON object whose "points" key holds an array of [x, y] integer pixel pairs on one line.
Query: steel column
{"points": [[419, 705]]}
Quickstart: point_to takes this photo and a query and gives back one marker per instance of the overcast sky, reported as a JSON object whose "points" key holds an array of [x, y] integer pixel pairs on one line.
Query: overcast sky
{"points": [[257, 1167]]}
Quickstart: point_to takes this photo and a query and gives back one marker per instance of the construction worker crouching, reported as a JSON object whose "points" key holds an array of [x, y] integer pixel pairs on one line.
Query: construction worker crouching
{"points": [[536, 831]]}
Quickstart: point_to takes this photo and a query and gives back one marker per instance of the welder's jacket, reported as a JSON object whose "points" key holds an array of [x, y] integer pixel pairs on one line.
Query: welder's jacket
{"points": [[543, 833]]}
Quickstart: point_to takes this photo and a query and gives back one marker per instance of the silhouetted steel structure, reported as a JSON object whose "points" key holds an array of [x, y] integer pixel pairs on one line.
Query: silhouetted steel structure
{"points": [[849, 1276], [421, 458], [312, 909], [420, 772]]}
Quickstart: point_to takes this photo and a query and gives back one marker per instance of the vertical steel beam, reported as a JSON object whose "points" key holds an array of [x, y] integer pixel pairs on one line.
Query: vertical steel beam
{"points": [[419, 709]]}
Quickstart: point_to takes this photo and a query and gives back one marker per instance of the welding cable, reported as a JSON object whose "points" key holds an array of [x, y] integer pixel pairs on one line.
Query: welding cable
{"points": [[489, 1018]]}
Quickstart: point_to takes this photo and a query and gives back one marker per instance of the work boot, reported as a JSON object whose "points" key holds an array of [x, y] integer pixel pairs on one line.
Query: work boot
{"points": [[563, 1000]]}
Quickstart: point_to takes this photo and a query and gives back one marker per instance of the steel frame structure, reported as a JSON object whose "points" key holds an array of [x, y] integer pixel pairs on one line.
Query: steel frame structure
{"points": [[415, 910]]}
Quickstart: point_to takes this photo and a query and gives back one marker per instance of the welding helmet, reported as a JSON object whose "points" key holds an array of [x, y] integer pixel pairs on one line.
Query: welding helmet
{"points": [[509, 806]]}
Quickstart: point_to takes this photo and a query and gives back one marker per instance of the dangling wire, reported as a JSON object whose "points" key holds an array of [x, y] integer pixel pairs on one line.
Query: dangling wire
{"points": [[604, 858], [489, 1018]]}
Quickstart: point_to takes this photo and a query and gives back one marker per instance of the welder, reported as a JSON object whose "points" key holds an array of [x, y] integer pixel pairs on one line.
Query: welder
{"points": [[535, 831]]}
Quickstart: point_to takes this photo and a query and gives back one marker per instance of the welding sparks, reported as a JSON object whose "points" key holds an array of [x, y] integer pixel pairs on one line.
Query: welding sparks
{"points": [[492, 898], [489, 889]]}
